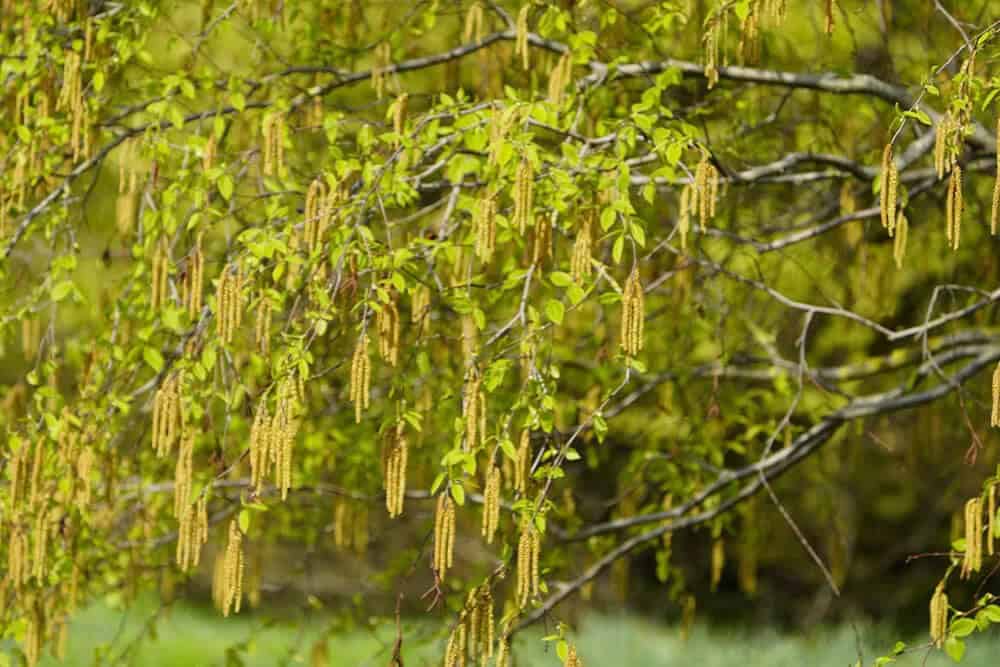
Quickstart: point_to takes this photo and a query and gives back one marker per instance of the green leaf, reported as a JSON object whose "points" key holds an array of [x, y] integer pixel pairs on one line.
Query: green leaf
{"points": [[963, 627], [562, 649], [458, 493], [244, 521], [955, 648], [561, 279], [225, 185], [62, 290], [992, 612], [555, 310], [153, 358]]}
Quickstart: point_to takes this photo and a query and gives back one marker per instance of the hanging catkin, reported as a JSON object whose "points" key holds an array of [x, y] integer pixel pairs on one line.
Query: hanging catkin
{"points": [[444, 534], [168, 417], [572, 659], [161, 267], [687, 203], [944, 153], [527, 564], [399, 109], [315, 214], [995, 414], [387, 324], [953, 208], [486, 226], [382, 66], [394, 469], [473, 410], [193, 279], [361, 374], [889, 185], [559, 78], [706, 186], [718, 561], [273, 130], [455, 652], [262, 325], [491, 502], [521, 39], [228, 303], [473, 23], [991, 517], [260, 445], [522, 465], [524, 186], [902, 233], [939, 615], [633, 314], [973, 560], [580, 267], [231, 593], [995, 215]]}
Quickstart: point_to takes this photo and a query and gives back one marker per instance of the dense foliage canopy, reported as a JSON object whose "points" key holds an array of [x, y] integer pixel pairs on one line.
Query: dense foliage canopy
{"points": [[497, 296]]}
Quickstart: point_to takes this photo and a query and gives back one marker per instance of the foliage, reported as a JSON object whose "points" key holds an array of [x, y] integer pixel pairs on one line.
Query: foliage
{"points": [[547, 281]]}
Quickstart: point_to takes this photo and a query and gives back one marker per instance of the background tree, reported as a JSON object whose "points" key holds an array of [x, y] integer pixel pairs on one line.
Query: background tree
{"points": [[498, 296]]}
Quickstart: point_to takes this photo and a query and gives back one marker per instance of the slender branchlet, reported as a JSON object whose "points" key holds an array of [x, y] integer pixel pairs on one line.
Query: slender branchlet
{"points": [[889, 185], [361, 375], [953, 208], [521, 40], [491, 502], [528, 547], [973, 560], [524, 186], [939, 615], [444, 534], [633, 315]]}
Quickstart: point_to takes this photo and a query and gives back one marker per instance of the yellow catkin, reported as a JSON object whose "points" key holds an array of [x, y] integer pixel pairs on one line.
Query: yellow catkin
{"points": [[316, 215], [718, 561], [473, 410], [953, 208], [273, 131], [231, 595], [939, 615], [706, 188], [828, 18], [521, 39], [208, 153], [229, 303], [262, 326], [684, 214], [387, 324], [382, 66], [991, 518], [973, 559], [524, 186], [420, 306], [572, 658], [361, 373], [944, 157], [889, 185], [282, 431], [444, 534], [31, 333], [193, 280], [470, 338], [260, 445], [394, 470], [491, 503], [542, 246], [455, 652], [160, 270], [473, 23], [522, 466], [902, 233], [486, 226], [560, 77], [183, 474], [710, 45], [528, 547], [689, 606], [399, 109], [995, 214], [168, 418], [633, 315], [995, 414], [580, 262]]}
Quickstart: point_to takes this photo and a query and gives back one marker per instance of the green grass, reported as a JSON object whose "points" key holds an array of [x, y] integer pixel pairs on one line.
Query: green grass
{"points": [[195, 637]]}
